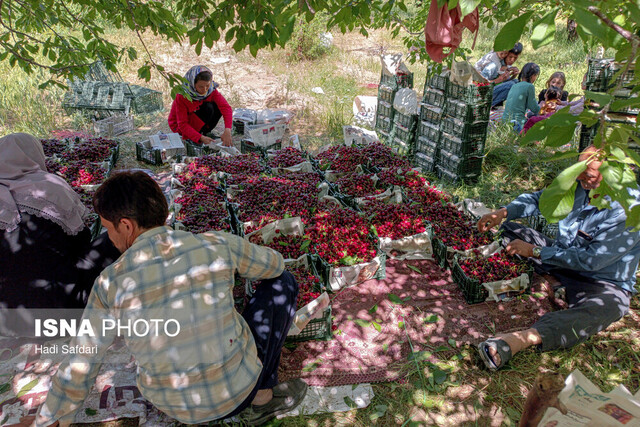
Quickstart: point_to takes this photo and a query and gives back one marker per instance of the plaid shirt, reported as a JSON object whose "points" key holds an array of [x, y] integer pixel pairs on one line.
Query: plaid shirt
{"points": [[211, 366]]}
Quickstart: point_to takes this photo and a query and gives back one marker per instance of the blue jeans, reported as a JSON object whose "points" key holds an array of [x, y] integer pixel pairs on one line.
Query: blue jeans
{"points": [[501, 91], [269, 314]]}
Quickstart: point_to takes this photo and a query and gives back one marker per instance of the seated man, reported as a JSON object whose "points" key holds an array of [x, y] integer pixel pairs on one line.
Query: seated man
{"points": [[497, 67], [210, 362], [595, 256]]}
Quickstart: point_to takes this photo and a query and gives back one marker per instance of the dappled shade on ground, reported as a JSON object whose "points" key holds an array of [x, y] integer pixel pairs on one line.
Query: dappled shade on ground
{"points": [[433, 312]]}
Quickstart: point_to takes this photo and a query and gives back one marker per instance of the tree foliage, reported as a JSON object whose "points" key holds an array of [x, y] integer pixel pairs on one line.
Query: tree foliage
{"points": [[66, 36]]}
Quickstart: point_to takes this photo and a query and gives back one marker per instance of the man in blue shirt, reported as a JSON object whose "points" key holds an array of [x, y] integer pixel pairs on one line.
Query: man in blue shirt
{"points": [[595, 256]]}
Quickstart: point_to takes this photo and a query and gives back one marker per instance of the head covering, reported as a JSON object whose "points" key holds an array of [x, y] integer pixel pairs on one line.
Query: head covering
{"points": [[26, 186], [191, 87], [517, 48], [529, 70]]}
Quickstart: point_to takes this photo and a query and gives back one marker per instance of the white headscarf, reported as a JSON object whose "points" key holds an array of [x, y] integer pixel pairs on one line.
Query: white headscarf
{"points": [[26, 186]]}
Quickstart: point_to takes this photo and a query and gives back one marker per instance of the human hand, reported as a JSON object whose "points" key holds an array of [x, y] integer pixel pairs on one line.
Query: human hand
{"points": [[226, 138], [514, 70], [206, 140], [493, 219], [519, 247]]}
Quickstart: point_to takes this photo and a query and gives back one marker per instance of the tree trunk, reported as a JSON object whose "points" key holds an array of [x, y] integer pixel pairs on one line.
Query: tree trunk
{"points": [[572, 30]]}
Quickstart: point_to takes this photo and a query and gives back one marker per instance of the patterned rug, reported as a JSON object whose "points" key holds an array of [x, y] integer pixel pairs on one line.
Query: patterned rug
{"points": [[378, 321]]}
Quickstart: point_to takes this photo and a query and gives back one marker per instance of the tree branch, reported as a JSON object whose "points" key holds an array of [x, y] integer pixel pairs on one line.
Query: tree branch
{"points": [[624, 33], [57, 70]]}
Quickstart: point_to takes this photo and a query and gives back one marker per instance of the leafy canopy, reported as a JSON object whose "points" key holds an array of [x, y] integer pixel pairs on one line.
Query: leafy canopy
{"points": [[67, 36]]}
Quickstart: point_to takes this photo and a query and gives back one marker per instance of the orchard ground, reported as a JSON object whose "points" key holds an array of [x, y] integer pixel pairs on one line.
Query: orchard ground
{"points": [[470, 395]]}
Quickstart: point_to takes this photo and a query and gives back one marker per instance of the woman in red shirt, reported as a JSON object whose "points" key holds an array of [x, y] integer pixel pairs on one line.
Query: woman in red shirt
{"points": [[193, 119]]}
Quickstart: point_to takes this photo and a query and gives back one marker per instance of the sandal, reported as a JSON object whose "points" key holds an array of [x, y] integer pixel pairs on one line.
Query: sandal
{"points": [[286, 396], [500, 346]]}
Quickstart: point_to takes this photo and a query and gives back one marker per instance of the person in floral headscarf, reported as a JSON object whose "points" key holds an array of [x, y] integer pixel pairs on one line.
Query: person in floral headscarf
{"points": [[47, 258], [194, 118]]}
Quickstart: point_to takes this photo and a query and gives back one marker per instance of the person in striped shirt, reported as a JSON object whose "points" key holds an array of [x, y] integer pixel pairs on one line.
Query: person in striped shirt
{"points": [[208, 362]]}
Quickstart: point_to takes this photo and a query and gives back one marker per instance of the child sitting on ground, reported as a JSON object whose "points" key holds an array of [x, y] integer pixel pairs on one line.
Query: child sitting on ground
{"points": [[550, 105]]}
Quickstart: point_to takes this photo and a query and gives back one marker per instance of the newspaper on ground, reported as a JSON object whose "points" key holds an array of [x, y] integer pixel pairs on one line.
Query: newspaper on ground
{"points": [[588, 406]]}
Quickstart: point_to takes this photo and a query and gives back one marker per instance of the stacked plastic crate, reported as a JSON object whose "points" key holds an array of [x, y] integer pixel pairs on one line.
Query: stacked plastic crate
{"points": [[427, 146], [464, 131], [389, 85], [602, 76]]}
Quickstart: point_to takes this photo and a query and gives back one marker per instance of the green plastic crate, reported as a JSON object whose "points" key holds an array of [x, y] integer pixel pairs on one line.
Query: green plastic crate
{"points": [[197, 150], [463, 166], [404, 134], [427, 147], [146, 100], [464, 131], [468, 113], [405, 120], [437, 81], [317, 329], [472, 289], [439, 252], [430, 113], [384, 123], [397, 81], [386, 94], [424, 162], [429, 130], [400, 146], [247, 146], [460, 148], [470, 94], [454, 177], [604, 74], [385, 108], [434, 97], [154, 156]]}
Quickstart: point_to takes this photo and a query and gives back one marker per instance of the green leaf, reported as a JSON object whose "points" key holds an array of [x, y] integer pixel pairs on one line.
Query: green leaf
{"points": [[633, 218], [310, 367], [5, 388], [281, 243], [431, 319], [27, 388], [304, 246], [514, 4], [350, 403], [451, 4], [591, 25], [560, 135], [90, 412], [600, 98], [544, 30], [416, 269], [418, 356], [452, 342], [376, 326], [618, 104], [441, 348], [545, 127], [394, 299], [401, 325], [439, 376], [468, 6], [362, 323], [511, 32], [572, 153], [373, 309], [557, 200], [380, 410]]}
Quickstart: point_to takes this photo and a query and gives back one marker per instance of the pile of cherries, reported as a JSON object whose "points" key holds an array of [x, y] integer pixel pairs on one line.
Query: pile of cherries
{"points": [[498, 266]]}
